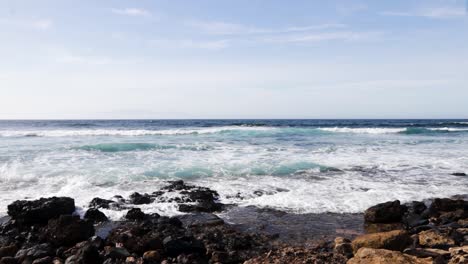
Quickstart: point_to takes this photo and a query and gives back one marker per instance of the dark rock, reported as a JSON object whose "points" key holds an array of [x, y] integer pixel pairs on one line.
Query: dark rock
{"points": [[385, 212], [8, 260], [116, 252], [136, 214], [8, 251], [95, 216], [42, 210], [44, 260], [176, 186], [459, 174], [35, 252], [200, 219], [136, 198], [175, 222], [86, 254], [447, 205], [416, 207], [67, 230], [177, 246], [101, 203], [205, 206]]}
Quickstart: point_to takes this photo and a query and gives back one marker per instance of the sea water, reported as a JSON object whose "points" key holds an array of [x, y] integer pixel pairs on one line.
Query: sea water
{"points": [[301, 166]]}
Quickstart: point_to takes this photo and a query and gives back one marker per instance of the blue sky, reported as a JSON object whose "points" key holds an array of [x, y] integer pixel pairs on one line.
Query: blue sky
{"points": [[233, 59]]}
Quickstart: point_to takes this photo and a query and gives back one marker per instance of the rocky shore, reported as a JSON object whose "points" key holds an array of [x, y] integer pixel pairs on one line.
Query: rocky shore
{"points": [[48, 230]]}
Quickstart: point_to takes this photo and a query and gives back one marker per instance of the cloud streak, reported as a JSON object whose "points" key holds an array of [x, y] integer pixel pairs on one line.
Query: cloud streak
{"points": [[435, 13], [223, 28], [37, 24], [132, 12]]}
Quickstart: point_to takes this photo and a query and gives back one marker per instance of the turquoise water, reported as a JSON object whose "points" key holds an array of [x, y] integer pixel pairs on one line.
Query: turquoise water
{"points": [[301, 166]]}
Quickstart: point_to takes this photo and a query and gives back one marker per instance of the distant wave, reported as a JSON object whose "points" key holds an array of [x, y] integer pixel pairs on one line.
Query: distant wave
{"points": [[123, 147], [407, 131], [118, 147], [369, 130], [126, 132]]}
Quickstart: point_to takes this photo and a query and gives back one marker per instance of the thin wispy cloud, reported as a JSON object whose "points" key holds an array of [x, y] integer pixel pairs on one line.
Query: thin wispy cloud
{"points": [[323, 36], [37, 24], [435, 12], [132, 12], [224, 28], [87, 60], [191, 43]]}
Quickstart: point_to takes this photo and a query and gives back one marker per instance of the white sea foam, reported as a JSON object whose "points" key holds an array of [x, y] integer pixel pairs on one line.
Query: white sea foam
{"points": [[449, 129], [125, 132], [370, 130]]}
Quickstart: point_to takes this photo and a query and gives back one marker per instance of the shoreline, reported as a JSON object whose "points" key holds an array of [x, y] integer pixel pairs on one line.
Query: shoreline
{"points": [[45, 231]]}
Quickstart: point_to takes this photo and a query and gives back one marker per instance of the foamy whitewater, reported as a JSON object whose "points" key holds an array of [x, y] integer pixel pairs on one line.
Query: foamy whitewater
{"points": [[301, 166]]}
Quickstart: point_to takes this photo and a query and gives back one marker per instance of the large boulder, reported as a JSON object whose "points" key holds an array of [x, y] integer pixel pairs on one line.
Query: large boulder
{"points": [[384, 256], [95, 216], [388, 212], [42, 210], [448, 205], [67, 230], [392, 240]]}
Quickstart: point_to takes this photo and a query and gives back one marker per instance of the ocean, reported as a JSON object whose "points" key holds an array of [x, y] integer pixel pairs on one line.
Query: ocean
{"points": [[300, 166]]}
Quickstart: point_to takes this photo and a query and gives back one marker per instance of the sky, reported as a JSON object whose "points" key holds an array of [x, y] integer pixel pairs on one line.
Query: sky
{"points": [[65, 59]]}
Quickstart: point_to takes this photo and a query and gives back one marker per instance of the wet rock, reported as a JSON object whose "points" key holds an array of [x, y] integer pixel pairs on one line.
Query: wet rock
{"points": [[95, 216], [42, 210], [448, 205], [435, 239], [343, 247], [136, 198], [201, 219], [86, 254], [385, 212], [459, 174], [176, 186], [205, 206], [384, 256], [152, 256], [116, 253], [135, 214], [8, 260], [176, 246], [67, 230], [392, 240], [8, 251], [35, 252], [101, 203], [44, 260]]}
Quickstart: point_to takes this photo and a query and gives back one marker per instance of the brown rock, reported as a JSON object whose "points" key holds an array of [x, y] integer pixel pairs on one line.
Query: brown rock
{"points": [[427, 252], [343, 247], [8, 251], [434, 239], [459, 255], [383, 256], [151, 256], [393, 240]]}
